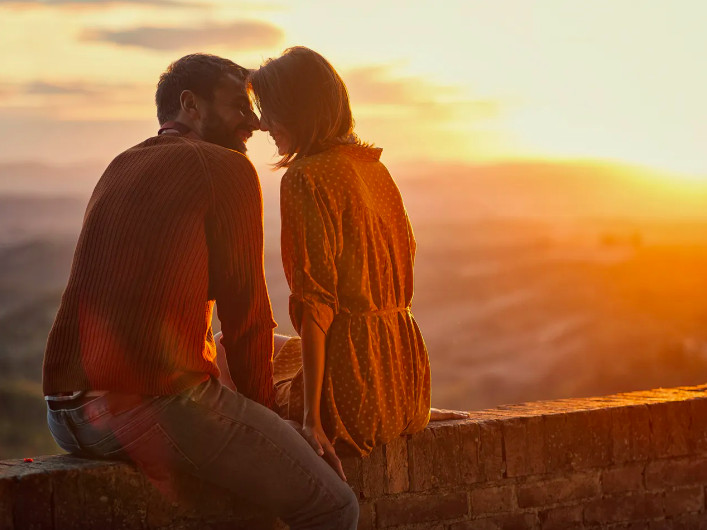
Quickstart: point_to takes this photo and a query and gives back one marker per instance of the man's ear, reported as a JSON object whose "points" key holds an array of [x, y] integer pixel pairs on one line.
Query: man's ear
{"points": [[187, 100]]}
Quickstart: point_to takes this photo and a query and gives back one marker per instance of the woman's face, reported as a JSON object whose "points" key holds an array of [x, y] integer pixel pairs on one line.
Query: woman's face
{"points": [[279, 134]]}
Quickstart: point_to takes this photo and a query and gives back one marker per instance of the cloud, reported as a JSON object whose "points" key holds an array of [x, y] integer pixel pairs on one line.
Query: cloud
{"points": [[373, 85], [40, 88], [72, 100], [51, 89], [242, 35], [378, 86]]}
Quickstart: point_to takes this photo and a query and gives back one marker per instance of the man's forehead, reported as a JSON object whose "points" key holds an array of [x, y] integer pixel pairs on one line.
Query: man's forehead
{"points": [[231, 84]]}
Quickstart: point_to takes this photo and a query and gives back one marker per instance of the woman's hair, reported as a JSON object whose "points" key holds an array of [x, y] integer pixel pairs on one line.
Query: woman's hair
{"points": [[303, 93]]}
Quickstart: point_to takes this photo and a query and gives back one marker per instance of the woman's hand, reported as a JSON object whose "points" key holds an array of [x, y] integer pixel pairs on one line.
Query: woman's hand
{"points": [[444, 414], [314, 434]]}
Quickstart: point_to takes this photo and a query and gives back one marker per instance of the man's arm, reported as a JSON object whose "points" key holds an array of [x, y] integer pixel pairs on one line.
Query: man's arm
{"points": [[236, 273]]}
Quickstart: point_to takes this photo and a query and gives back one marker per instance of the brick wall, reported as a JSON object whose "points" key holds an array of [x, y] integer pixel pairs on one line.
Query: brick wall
{"points": [[635, 460]]}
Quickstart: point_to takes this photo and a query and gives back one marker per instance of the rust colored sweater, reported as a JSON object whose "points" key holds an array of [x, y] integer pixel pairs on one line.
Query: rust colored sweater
{"points": [[173, 225]]}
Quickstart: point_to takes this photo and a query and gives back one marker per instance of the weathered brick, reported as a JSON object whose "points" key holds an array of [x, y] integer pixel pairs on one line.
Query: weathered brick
{"points": [[635, 525], [129, 506], [624, 478], [160, 511], [698, 421], [690, 521], [69, 499], [366, 516], [676, 472], [353, 472], [373, 473], [623, 508], [98, 487], [438, 457], [670, 428], [578, 440], [492, 500], [409, 509], [396, 465], [684, 500], [556, 456], [557, 490], [6, 501], [421, 453], [562, 518], [519, 521], [491, 464], [524, 444], [447, 448], [630, 427], [468, 458], [656, 524], [32, 505], [591, 435]]}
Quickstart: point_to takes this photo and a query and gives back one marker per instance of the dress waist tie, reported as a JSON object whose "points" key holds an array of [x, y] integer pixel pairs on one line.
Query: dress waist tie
{"points": [[350, 314]]}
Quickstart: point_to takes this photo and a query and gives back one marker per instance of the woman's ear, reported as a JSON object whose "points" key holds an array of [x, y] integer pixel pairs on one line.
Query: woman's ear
{"points": [[187, 100]]}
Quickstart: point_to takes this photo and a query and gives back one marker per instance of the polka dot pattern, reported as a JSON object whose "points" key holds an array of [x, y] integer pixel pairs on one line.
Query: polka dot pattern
{"points": [[348, 252]]}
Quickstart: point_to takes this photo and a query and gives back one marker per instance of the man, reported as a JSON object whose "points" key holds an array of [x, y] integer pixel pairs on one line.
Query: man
{"points": [[130, 372]]}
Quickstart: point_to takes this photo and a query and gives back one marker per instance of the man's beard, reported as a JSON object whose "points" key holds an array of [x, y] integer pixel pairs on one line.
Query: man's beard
{"points": [[213, 131]]}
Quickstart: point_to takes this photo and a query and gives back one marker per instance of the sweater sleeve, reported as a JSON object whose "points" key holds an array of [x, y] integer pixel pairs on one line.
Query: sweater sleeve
{"points": [[307, 251], [236, 274]]}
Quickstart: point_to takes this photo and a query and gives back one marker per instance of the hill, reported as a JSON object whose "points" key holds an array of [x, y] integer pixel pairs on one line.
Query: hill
{"points": [[533, 281]]}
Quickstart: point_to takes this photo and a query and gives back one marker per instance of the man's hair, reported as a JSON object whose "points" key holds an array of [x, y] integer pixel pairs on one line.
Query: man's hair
{"points": [[303, 93], [198, 72]]}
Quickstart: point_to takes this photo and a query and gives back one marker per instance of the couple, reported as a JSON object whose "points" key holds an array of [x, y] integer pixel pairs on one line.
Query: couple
{"points": [[132, 370]]}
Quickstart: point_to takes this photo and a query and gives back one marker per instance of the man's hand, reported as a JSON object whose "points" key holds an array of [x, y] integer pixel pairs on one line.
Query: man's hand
{"points": [[444, 414], [322, 446]]}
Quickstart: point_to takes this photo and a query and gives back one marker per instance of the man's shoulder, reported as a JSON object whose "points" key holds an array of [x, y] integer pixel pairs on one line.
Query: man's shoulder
{"points": [[218, 163], [222, 161], [170, 142]]}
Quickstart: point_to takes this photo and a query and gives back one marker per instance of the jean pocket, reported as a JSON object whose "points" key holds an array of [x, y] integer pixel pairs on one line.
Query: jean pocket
{"points": [[154, 452]]}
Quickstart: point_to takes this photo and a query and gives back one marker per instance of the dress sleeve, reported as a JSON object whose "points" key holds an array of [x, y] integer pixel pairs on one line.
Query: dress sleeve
{"points": [[411, 238], [236, 275], [308, 251]]}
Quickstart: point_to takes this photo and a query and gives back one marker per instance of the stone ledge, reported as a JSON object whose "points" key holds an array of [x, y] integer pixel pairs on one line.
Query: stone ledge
{"points": [[633, 458]]}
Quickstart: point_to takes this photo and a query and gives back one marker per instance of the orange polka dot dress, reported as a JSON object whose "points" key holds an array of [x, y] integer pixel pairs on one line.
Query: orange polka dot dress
{"points": [[348, 252]]}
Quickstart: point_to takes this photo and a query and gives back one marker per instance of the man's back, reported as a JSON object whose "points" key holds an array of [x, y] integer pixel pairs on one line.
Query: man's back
{"points": [[172, 223]]}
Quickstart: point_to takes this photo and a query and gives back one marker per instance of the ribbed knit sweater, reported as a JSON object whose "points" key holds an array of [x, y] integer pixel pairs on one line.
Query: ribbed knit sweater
{"points": [[173, 225]]}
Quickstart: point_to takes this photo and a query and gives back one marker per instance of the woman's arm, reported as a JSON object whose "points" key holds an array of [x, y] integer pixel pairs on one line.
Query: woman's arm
{"points": [[313, 355], [313, 358]]}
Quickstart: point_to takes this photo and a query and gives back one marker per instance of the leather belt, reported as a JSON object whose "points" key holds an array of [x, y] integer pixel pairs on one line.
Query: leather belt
{"points": [[71, 400]]}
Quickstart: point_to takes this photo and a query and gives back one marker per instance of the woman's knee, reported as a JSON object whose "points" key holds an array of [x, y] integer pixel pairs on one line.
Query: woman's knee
{"points": [[278, 342]]}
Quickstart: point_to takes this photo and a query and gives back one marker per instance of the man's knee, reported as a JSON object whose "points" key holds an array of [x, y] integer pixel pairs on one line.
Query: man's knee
{"points": [[349, 511]]}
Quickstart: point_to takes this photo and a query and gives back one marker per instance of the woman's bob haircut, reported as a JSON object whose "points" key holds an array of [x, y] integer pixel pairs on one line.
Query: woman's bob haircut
{"points": [[301, 92]]}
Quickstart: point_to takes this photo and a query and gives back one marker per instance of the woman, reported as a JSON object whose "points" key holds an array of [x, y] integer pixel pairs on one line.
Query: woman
{"points": [[362, 376]]}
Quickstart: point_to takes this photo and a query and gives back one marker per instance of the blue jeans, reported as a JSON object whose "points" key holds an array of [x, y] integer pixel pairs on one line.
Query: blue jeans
{"points": [[218, 436]]}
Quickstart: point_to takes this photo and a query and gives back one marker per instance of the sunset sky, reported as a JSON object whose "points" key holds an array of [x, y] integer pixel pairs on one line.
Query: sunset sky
{"points": [[458, 81]]}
